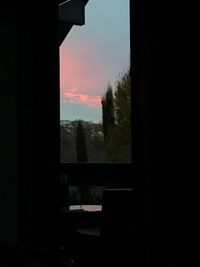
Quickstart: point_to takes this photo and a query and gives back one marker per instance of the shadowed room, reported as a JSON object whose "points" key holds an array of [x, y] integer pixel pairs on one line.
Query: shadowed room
{"points": [[94, 142]]}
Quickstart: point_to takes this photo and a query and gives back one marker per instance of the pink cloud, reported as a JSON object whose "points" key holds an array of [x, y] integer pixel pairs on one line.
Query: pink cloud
{"points": [[83, 69], [77, 98]]}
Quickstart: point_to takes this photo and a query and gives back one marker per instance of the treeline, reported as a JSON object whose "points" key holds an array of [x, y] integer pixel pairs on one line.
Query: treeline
{"points": [[82, 141]]}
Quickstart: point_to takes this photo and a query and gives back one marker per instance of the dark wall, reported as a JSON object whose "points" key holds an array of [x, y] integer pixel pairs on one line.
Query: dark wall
{"points": [[168, 157], [9, 145], [40, 123], [30, 124]]}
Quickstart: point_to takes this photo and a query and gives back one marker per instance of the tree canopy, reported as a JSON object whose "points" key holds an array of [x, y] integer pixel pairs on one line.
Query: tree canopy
{"points": [[116, 113]]}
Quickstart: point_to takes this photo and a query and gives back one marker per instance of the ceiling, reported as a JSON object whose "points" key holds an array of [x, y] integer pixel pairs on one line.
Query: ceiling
{"points": [[61, 1]]}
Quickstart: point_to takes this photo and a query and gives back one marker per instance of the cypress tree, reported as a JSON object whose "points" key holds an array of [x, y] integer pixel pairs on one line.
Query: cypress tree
{"points": [[108, 112], [108, 116], [81, 148]]}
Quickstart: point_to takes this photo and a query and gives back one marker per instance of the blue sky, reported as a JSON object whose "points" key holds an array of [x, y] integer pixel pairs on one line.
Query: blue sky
{"points": [[92, 56]]}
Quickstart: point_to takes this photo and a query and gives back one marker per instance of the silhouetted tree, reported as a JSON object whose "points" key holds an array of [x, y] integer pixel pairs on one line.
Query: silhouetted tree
{"points": [[94, 141], [122, 104], [81, 148], [108, 111], [108, 120], [116, 111]]}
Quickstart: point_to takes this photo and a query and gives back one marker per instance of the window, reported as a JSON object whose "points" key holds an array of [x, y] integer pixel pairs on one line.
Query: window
{"points": [[95, 102]]}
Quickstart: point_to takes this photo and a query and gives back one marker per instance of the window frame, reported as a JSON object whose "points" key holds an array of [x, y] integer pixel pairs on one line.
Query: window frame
{"points": [[115, 174]]}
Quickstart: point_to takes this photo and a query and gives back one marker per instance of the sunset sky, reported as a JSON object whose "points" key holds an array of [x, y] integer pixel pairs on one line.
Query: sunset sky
{"points": [[92, 56]]}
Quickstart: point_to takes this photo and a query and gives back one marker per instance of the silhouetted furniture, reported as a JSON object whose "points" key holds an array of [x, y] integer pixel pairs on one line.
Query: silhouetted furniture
{"points": [[117, 226], [110, 242], [71, 221], [117, 210], [89, 208]]}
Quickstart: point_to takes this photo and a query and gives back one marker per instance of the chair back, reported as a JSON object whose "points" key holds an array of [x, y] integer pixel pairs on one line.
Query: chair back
{"points": [[117, 213]]}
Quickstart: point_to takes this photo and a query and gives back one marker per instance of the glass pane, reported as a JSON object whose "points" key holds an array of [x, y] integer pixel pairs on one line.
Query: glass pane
{"points": [[95, 86], [85, 195]]}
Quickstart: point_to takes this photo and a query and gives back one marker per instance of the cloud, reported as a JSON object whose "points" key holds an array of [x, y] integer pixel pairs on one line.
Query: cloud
{"points": [[85, 72], [80, 79], [75, 97]]}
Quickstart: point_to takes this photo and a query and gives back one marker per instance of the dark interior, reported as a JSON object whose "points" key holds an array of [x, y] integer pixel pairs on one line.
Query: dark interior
{"points": [[33, 229]]}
